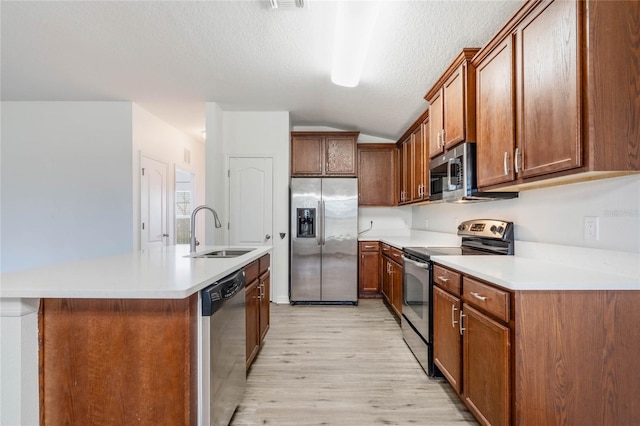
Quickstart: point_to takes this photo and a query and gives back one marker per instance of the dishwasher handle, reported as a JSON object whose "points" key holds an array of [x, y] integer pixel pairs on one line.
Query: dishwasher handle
{"points": [[214, 296]]}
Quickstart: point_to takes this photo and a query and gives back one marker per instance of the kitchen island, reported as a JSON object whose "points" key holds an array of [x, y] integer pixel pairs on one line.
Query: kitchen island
{"points": [[119, 339]]}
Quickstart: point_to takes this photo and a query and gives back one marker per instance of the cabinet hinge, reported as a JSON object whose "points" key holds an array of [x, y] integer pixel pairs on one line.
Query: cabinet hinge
{"points": [[143, 171], [228, 226], [143, 226], [229, 173]]}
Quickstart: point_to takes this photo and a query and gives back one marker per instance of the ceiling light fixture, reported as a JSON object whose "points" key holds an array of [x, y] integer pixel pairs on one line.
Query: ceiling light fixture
{"points": [[355, 21]]}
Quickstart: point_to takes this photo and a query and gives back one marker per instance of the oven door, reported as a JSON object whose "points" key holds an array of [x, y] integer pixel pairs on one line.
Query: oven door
{"points": [[417, 296]]}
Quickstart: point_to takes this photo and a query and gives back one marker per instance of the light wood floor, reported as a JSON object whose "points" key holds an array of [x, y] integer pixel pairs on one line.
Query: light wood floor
{"points": [[342, 365]]}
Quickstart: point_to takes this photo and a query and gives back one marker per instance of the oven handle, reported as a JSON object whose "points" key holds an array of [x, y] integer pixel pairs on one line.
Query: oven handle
{"points": [[418, 264]]}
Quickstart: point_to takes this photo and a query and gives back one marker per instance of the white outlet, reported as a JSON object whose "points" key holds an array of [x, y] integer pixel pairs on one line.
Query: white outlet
{"points": [[426, 224], [591, 228]]}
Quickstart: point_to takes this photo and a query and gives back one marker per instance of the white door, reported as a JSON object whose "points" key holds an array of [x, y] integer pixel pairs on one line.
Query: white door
{"points": [[250, 201], [153, 203]]}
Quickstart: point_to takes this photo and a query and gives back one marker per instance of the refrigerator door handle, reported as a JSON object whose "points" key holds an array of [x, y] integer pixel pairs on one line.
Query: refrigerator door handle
{"points": [[323, 210], [319, 224]]}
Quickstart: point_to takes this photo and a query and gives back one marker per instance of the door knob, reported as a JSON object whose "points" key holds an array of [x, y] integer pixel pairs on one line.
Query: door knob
{"points": [[268, 237], [165, 235]]}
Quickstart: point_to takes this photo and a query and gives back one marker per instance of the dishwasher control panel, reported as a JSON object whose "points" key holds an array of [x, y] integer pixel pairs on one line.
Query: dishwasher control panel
{"points": [[214, 296]]}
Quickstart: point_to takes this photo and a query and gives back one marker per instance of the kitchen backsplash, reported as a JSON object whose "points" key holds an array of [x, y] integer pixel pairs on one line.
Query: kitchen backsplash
{"points": [[554, 215]]}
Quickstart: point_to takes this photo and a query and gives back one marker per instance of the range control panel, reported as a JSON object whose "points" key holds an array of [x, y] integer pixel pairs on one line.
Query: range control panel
{"points": [[487, 228]]}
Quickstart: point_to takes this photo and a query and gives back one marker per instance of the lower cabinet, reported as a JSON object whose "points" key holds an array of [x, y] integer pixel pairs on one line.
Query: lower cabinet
{"points": [[257, 307], [392, 277], [538, 357], [447, 348], [486, 367], [369, 269]]}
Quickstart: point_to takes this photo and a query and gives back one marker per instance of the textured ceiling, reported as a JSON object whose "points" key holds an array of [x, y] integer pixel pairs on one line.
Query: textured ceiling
{"points": [[173, 56]]}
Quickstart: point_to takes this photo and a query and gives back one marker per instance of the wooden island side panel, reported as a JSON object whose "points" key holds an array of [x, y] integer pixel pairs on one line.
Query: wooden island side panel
{"points": [[118, 361]]}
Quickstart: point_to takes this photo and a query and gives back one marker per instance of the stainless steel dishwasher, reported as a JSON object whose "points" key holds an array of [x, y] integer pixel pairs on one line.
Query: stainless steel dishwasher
{"points": [[224, 303]]}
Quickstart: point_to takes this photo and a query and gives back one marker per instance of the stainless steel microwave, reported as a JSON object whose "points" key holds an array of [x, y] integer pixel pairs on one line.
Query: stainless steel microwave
{"points": [[453, 177]]}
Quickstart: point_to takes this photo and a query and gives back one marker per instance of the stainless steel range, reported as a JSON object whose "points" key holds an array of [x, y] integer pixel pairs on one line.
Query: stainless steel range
{"points": [[479, 237]]}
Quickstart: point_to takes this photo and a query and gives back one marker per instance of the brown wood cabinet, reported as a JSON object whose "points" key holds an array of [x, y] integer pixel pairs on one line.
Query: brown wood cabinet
{"points": [[486, 367], [323, 153], [526, 358], [102, 361], [257, 293], [377, 174], [369, 269], [452, 105], [392, 277], [415, 163], [405, 171], [447, 338], [550, 106]]}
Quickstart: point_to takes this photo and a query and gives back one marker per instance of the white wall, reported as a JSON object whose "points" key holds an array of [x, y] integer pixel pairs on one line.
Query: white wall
{"points": [[253, 133], [156, 139], [387, 221], [215, 176], [66, 195], [66, 182], [555, 215]]}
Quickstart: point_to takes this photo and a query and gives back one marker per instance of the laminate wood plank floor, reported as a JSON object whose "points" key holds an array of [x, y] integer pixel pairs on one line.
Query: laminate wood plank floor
{"points": [[342, 365]]}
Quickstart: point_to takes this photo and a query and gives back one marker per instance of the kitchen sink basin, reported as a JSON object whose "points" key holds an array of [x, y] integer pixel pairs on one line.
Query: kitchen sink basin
{"points": [[215, 254]]}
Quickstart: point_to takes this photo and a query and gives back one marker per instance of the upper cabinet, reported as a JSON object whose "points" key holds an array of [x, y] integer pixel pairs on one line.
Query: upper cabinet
{"points": [[377, 174], [414, 162], [552, 106], [452, 105], [323, 153]]}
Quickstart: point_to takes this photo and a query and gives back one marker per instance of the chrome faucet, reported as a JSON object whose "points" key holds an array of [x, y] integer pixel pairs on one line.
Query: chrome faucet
{"points": [[193, 224]]}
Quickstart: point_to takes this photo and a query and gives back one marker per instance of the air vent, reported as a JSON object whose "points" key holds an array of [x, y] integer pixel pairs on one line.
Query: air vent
{"points": [[187, 156], [289, 4]]}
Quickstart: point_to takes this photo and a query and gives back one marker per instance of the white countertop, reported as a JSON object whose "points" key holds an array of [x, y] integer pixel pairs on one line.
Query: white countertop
{"points": [[572, 268], [520, 273], [158, 273]]}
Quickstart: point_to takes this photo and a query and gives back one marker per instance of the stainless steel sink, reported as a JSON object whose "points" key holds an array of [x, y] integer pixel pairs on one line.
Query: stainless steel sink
{"points": [[216, 254]]}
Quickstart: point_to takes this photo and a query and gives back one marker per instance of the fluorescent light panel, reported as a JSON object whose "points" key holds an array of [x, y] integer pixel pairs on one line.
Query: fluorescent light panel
{"points": [[355, 21]]}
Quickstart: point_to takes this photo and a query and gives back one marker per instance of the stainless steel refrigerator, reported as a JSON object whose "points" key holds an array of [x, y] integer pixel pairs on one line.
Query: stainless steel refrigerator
{"points": [[324, 240]]}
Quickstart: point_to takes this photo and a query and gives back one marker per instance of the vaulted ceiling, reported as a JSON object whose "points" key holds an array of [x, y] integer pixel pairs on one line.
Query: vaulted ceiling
{"points": [[172, 57]]}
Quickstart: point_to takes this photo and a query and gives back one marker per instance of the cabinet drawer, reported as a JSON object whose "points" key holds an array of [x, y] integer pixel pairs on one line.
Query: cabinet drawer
{"points": [[486, 298], [369, 246], [264, 262], [251, 271], [396, 255], [386, 250], [447, 279]]}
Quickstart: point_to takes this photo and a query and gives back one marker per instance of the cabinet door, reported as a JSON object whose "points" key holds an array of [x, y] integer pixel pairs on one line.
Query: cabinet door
{"points": [[486, 367], [426, 190], [252, 321], [453, 99], [396, 284], [436, 125], [340, 155], [307, 155], [447, 343], [549, 104], [264, 316], [417, 164], [495, 116], [386, 279], [405, 171], [369, 282], [377, 174]]}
